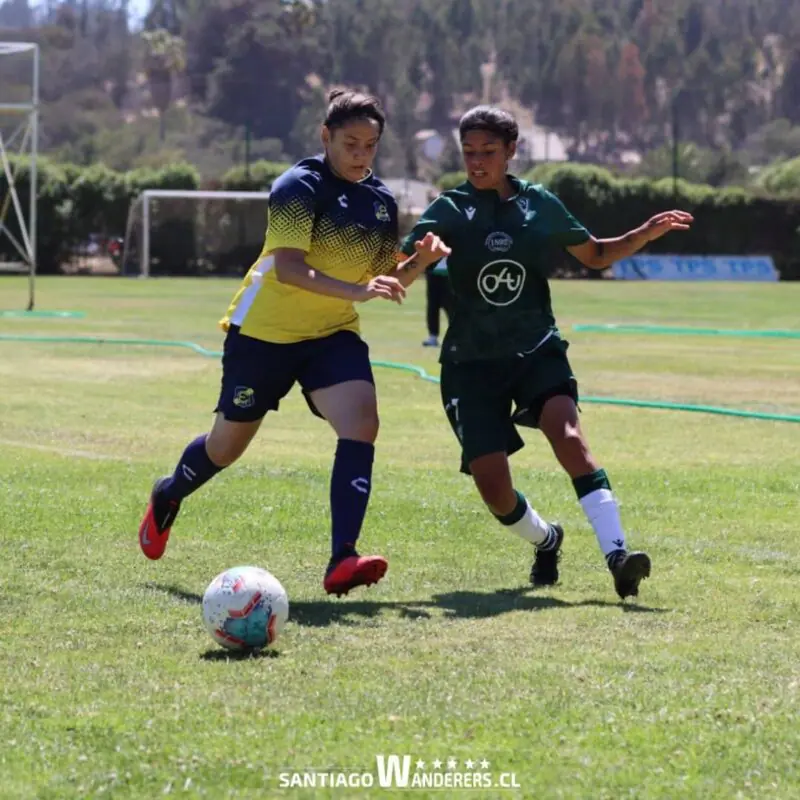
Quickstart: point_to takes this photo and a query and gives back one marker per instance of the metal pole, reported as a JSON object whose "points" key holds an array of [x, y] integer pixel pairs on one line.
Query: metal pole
{"points": [[145, 235], [675, 156], [34, 177], [247, 139]]}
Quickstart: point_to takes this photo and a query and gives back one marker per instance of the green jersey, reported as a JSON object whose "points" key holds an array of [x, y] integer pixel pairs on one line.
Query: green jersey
{"points": [[498, 266]]}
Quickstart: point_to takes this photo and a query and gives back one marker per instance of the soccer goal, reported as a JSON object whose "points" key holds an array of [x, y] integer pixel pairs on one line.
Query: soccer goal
{"points": [[179, 232], [19, 149]]}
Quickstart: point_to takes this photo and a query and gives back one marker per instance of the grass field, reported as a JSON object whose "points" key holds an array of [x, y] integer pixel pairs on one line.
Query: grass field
{"points": [[111, 687]]}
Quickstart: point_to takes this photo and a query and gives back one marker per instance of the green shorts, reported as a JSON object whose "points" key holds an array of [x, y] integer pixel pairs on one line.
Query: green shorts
{"points": [[478, 398]]}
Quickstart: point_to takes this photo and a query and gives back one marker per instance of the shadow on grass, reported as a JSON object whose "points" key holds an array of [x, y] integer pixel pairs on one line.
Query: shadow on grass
{"points": [[238, 655], [451, 605]]}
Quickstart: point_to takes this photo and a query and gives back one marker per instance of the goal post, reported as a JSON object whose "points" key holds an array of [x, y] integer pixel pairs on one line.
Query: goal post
{"points": [[19, 135], [197, 226]]}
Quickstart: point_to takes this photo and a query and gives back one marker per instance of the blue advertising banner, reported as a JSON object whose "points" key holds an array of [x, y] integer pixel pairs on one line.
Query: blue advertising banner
{"points": [[696, 268]]}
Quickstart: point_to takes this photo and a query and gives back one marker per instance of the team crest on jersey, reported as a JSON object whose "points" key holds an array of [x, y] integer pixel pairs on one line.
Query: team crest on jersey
{"points": [[498, 242], [381, 212], [523, 204], [501, 282]]}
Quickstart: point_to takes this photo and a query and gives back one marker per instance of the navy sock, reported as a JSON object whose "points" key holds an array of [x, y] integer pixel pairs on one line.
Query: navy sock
{"points": [[351, 483], [194, 469]]}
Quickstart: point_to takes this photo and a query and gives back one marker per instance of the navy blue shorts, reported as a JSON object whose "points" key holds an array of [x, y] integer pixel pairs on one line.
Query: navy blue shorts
{"points": [[257, 375]]}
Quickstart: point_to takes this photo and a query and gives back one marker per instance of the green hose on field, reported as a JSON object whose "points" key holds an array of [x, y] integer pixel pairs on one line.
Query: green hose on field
{"points": [[418, 371]]}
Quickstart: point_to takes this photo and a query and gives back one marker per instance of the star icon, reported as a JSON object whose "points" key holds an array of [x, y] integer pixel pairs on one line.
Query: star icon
{"points": [[420, 765], [469, 763], [437, 764], [451, 763], [484, 764]]}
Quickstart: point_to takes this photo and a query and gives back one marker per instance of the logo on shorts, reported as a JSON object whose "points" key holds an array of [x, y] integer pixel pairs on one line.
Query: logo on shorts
{"points": [[381, 212], [498, 242], [500, 282], [244, 397]]}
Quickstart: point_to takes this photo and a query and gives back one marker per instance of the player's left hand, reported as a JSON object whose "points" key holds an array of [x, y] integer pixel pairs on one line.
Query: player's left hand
{"points": [[431, 249], [667, 221]]}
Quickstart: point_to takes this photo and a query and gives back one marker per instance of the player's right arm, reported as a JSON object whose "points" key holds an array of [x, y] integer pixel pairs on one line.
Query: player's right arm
{"points": [[291, 268], [292, 205], [437, 220]]}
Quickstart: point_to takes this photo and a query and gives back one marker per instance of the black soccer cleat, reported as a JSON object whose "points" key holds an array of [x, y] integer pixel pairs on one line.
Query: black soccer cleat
{"points": [[544, 571], [629, 570]]}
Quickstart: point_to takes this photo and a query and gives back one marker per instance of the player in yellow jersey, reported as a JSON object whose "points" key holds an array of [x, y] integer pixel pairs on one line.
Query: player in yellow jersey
{"points": [[331, 242]]}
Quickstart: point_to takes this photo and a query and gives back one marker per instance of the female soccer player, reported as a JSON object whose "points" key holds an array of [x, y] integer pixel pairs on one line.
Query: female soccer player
{"points": [[503, 347], [331, 242]]}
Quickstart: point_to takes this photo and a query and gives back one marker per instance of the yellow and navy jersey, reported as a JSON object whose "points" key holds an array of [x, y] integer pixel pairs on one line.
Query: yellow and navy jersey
{"points": [[347, 230]]}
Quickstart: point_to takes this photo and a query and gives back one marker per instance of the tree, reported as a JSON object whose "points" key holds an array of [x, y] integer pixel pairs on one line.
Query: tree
{"points": [[631, 99], [165, 58]]}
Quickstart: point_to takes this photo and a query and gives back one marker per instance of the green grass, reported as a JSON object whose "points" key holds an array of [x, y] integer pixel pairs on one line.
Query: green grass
{"points": [[111, 687]]}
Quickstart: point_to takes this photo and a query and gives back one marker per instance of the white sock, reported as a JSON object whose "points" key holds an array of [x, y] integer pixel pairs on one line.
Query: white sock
{"points": [[602, 511], [532, 528]]}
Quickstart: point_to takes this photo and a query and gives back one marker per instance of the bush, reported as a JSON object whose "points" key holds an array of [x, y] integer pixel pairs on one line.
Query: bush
{"points": [[262, 174], [75, 202], [727, 221], [782, 178], [450, 180]]}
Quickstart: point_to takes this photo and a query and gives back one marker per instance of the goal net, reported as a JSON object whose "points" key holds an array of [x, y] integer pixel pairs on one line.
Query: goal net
{"points": [[19, 103], [177, 232]]}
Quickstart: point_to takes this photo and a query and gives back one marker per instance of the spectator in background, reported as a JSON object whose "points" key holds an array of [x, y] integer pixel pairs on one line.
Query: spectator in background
{"points": [[437, 299]]}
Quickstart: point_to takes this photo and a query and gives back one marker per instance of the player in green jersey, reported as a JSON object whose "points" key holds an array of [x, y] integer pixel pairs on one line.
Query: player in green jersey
{"points": [[504, 362]]}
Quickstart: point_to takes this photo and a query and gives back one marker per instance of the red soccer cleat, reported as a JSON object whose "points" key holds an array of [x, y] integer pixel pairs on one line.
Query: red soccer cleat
{"points": [[157, 523], [354, 571]]}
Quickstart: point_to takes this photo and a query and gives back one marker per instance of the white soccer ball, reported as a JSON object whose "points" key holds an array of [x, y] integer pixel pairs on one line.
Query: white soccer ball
{"points": [[245, 608]]}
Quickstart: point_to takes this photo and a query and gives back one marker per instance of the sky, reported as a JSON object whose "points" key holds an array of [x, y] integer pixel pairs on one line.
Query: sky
{"points": [[138, 8]]}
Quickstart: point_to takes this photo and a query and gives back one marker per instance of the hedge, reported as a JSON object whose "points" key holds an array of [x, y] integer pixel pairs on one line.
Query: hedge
{"points": [[258, 177], [75, 202]]}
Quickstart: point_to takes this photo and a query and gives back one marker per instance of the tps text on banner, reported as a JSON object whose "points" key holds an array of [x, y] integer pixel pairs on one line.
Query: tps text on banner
{"points": [[696, 268]]}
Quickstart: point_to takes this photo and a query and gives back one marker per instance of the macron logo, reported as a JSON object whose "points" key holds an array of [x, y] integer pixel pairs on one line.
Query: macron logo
{"points": [[470, 212]]}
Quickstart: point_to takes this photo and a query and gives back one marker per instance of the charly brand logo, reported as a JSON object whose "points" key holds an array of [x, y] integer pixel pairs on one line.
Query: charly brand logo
{"points": [[500, 282], [498, 242]]}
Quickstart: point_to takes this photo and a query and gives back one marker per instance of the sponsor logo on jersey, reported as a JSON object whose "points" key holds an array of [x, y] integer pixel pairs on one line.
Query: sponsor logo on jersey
{"points": [[498, 242], [500, 282]]}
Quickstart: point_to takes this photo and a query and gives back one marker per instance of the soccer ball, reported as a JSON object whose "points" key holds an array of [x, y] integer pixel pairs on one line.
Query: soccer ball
{"points": [[245, 608]]}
